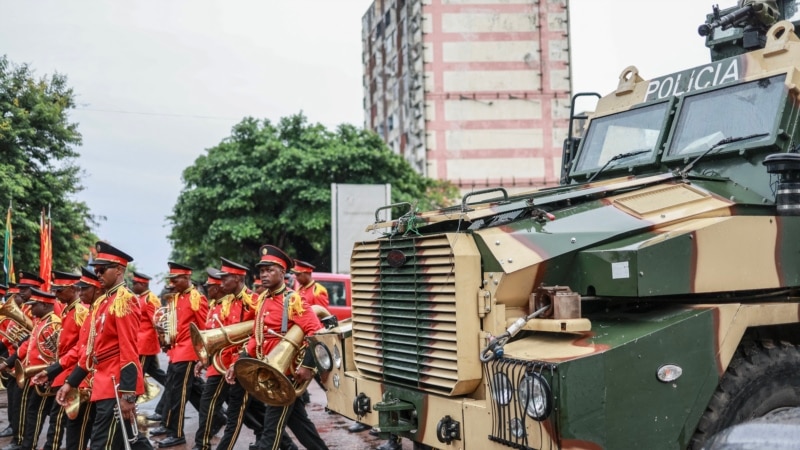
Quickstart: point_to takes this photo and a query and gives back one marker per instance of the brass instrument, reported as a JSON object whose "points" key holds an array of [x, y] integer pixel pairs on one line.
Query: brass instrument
{"points": [[165, 321], [127, 438], [47, 344], [20, 325], [265, 380], [151, 391], [73, 401], [209, 344], [23, 374]]}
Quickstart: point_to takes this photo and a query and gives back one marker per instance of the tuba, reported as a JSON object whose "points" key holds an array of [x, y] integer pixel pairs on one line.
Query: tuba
{"points": [[165, 321], [265, 380], [209, 344], [19, 325]]}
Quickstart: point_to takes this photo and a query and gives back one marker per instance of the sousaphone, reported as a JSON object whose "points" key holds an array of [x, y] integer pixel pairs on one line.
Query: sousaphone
{"points": [[266, 380]]}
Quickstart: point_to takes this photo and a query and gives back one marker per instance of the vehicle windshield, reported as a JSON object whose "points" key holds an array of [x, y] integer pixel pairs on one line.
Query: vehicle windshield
{"points": [[625, 132], [745, 109], [336, 294]]}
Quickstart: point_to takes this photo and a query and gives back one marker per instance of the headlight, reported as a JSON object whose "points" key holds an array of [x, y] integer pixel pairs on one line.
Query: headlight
{"points": [[323, 357], [501, 388], [337, 356], [534, 393]]}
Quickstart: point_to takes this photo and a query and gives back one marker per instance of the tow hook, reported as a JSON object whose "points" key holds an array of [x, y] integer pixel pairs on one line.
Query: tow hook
{"points": [[396, 416], [361, 405], [448, 430]]}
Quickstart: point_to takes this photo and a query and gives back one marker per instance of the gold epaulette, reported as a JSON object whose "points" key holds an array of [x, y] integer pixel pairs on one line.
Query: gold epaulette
{"points": [[122, 302], [295, 304], [226, 302], [194, 299], [81, 313], [153, 299], [247, 298]]}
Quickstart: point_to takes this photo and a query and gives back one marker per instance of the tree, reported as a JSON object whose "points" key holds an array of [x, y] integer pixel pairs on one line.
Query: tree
{"points": [[271, 183], [37, 166]]}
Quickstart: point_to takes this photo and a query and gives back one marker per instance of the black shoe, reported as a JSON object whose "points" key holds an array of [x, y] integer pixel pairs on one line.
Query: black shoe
{"points": [[392, 444], [171, 441], [7, 432], [253, 447], [357, 427], [158, 431], [155, 417], [12, 446], [374, 432]]}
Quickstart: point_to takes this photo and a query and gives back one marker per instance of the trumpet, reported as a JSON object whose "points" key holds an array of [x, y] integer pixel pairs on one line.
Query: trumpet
{"points": [[131, 438]]}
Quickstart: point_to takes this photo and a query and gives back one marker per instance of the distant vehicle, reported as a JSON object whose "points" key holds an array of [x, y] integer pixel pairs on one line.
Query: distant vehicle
{"points": [[339, 292]]}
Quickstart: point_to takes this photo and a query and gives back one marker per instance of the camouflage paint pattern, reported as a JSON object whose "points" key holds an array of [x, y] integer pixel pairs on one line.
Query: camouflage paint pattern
{"points": [[656, 254]]}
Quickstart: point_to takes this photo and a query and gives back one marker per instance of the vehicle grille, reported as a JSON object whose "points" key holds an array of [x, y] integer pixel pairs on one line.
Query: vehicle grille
{"points": [[405, 318]]}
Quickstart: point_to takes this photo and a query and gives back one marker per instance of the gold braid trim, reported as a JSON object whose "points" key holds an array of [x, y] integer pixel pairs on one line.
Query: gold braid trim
{"points": [[194, 299], [81, 313], [122, 302], [295, 305]]}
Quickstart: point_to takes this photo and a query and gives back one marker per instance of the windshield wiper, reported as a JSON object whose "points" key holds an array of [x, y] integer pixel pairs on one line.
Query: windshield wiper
{"points": [[719, 143], [617, 158]]}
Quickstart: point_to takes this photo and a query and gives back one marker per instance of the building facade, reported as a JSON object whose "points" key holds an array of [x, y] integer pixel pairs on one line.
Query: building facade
{"points": [[472, 91]]}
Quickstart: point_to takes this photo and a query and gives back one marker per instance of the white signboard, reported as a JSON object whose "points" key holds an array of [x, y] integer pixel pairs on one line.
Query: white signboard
{"points": [[352, 210]]}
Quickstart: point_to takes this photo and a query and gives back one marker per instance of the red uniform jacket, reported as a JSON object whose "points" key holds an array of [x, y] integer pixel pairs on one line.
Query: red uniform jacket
{"points": [[111, 345], [69, 360], [314, 294], [231, 310], [148, 339], [72, 318], [190, 307], [269, 314]]}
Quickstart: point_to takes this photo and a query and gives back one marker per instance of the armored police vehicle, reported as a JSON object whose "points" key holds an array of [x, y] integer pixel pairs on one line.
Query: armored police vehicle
{"points": [[648, 302]]}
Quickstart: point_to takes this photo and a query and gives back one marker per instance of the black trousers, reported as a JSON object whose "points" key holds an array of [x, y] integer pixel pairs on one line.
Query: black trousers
{"points": [[181, 387], [14, 394], [35, 410], [151, 367], [57, 428], [106, 431], [295, 417], [215, 392], [80, 428]]}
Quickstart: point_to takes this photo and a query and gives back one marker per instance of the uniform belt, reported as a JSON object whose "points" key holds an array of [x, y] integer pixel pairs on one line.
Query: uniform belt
{"points": [[105, 356]]}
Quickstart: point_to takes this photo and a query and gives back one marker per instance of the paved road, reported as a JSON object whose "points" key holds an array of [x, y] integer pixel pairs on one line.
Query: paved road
{"points": [[332, 427]]}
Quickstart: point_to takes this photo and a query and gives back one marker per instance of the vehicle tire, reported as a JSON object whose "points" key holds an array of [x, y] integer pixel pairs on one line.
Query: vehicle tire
{"points": [[762, 377]]}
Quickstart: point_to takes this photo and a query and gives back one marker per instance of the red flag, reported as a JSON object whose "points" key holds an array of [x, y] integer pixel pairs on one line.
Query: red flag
{"points": [[45, 251]]}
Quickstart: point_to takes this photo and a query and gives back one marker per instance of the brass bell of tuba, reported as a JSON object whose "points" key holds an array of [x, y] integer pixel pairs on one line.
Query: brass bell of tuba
{"points": [[209, 344], [151, 391], [265, 380]]}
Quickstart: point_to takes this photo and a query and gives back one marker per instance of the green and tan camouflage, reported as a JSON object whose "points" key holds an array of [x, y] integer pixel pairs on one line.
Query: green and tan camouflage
{"points": [[649, 302]]}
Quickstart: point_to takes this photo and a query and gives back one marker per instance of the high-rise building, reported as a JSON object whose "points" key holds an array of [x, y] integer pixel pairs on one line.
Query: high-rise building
{"points": [[473, 91]]}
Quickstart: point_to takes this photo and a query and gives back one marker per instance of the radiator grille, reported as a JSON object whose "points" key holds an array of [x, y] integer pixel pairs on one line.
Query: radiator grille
{"points": [[405, 318]]}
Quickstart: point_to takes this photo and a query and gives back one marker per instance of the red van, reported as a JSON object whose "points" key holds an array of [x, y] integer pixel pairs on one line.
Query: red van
{"points": [[339, 292]]}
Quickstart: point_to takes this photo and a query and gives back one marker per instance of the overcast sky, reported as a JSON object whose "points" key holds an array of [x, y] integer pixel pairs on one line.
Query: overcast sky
{"points": [[159, 81]]}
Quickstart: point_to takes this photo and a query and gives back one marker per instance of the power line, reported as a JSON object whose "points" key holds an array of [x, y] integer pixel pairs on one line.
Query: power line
{"points": [[142, 113]]}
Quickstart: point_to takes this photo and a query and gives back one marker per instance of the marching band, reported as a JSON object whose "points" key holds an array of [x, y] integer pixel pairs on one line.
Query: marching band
{"points": [[78, 355]]}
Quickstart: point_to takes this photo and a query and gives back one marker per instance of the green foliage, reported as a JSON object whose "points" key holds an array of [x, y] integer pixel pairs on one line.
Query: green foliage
{"points": [[271, 183], [37, 166]]}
